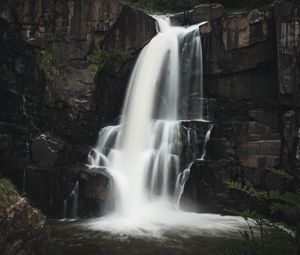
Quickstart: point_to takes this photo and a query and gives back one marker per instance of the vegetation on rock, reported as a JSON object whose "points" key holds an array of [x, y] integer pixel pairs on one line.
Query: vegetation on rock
{"points": [[47, 63], [7, 194], [113, 59], [278, 202]]}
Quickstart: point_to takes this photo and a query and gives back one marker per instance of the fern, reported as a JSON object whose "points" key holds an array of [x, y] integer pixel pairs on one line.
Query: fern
{"points": [[281, 173]]}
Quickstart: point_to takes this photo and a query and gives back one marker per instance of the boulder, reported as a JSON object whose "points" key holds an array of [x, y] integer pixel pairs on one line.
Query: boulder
{"points": [[23, 229], [96, 197], [50, 151]]}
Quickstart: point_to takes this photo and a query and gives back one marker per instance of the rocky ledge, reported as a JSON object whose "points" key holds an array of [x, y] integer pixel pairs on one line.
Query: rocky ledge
{"points": [[23, 229]]}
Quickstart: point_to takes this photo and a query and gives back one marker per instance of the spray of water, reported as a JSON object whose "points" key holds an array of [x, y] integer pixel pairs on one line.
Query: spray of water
{"points": [[143, 153]]}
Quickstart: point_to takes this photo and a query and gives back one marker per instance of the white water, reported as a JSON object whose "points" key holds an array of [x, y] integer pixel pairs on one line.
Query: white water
{"points": [[143, 153], [74, 212]]}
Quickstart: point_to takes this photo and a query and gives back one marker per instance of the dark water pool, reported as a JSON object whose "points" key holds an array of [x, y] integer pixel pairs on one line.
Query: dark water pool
{"points": [[71, 238], [171, 233]]}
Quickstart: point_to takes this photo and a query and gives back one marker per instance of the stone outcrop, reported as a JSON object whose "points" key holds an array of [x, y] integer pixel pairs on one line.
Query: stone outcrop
{"points": [[49, 119], [23, 229], [96, 192], [251, 71], [287, 16], [48, 122]]}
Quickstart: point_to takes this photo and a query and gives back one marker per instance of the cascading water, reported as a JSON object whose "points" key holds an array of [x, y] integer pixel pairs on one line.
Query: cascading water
{"points": [[143, 153]]}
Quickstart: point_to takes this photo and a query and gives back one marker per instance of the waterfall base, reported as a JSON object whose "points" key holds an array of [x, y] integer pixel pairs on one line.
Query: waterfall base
{"points": [[156, 221], [164, 232]]}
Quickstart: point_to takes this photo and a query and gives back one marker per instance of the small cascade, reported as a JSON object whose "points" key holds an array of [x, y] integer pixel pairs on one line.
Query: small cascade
{"points": [[180, 184], [74, 211], [65, 208], [207, 137], [193, 151], [192, 144]]}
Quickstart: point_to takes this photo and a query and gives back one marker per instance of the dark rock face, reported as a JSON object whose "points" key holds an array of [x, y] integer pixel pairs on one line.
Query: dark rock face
{"points": [[71, 27], [48, 122], [23, 229], [96, 188], [132, 31], [288, 40], [256, 114]]}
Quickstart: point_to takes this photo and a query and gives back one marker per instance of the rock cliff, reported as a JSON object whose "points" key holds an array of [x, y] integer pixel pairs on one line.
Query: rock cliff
{"points": [[51, 113]]}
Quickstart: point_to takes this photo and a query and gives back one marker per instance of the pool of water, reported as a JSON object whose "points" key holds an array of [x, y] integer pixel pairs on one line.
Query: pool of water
{"points": [[203, 235]]}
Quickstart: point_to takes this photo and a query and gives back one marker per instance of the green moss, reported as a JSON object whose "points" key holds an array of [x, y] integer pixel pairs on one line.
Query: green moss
{"points": [[7, 192], [47, 63], [112, 59]]}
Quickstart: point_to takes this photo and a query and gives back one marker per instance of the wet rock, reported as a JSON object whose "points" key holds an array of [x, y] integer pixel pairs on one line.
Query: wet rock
{"points": [[48, 187], [243, 30], [23, 229], [239, 54], [259, 161], [287, 16], [96, 192], [132, 30], [200, 13], [266, 118], [6, 146], [49, 151], [70, 27], [290, 136], [212, 195]]}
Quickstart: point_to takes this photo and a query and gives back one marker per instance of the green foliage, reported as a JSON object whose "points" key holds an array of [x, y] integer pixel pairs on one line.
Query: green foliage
{"points": [[273, 196], [112, 59], [276, 242], [7, 191], [47, 63], [281, 173], [181, 5], [279, 202]]}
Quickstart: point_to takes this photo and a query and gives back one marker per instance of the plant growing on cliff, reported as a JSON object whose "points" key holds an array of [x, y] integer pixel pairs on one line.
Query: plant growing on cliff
{"points": [[112, 59], [47, 63], [7, 192]]}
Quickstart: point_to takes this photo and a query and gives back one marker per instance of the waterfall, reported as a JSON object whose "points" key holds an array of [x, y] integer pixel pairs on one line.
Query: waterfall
{"points": [[207, 137], [65, 208], [143, 153], [74, 212]]}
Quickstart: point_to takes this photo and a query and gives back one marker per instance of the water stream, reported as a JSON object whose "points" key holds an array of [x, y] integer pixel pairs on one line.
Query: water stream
{"points": [[143, 153]]}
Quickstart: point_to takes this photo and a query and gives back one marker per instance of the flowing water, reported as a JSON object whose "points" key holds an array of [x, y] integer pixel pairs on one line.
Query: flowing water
{"points": [[143, 153]]}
